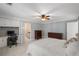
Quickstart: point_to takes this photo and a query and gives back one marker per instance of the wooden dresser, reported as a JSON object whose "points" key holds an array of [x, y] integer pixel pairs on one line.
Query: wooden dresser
{"points": [[38, 34]]}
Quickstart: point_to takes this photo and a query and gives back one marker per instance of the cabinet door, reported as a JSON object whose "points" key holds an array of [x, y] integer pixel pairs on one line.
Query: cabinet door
{"points": [[9, 23], [4, 41], [0, 42]]}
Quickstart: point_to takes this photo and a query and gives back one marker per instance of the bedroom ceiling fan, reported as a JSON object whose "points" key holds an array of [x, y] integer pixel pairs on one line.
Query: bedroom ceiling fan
{"points": [[44, 17]]}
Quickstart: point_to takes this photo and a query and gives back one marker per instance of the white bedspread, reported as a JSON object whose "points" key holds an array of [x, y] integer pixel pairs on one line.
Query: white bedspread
{"points": [[47, 47]]}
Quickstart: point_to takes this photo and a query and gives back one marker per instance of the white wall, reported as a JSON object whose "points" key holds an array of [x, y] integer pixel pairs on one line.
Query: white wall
{"points": [[35, 26], [50, 27], [59, 27]]}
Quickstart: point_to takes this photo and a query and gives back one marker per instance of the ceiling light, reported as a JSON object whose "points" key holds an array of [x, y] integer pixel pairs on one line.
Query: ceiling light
{"points": [[43, 19]]}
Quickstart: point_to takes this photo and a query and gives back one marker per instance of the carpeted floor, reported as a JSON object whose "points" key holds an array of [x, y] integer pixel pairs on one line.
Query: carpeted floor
{"points": [[19, 50]]}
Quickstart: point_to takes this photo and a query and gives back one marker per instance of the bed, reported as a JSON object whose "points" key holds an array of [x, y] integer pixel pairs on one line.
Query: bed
{"points": [[51, 46]]}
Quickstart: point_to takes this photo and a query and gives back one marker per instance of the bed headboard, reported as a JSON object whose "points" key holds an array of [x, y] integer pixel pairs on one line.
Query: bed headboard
{"points": [[55, 35]]}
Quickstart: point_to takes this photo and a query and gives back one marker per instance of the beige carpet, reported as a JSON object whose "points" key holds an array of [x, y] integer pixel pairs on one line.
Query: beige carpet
{"points": [[19, 50]]}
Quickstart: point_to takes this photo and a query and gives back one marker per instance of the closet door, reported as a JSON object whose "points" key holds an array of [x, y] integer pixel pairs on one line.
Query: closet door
{"points": [[72, 29]]}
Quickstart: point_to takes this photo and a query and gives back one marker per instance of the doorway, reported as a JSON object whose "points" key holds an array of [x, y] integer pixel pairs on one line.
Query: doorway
{"points": [[72, 29], [27, 31]]}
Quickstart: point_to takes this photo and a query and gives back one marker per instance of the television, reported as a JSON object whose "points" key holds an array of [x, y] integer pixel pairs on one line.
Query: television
{"points": [[10, 33]]}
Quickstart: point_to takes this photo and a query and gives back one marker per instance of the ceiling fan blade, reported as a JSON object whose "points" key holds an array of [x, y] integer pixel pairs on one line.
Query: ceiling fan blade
{"points": [[47, 16]]}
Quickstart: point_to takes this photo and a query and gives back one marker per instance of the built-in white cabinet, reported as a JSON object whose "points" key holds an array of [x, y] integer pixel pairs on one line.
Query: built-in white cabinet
{"points": [[9, 23], [3, 41]]}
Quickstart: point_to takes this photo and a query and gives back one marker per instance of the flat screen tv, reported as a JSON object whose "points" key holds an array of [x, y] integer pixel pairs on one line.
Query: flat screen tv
{"points": [[10, 32]]}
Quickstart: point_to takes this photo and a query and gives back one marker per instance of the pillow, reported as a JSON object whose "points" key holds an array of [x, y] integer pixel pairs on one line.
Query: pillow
{"points": [[73, 49]]}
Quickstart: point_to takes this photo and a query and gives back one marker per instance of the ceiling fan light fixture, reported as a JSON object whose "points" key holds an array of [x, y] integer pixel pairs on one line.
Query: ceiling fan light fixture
{"points": [[43, 19]]}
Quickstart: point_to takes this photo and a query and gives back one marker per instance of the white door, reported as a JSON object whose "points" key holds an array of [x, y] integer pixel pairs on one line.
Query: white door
{"points": [[72, 29], [27, 31]]}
